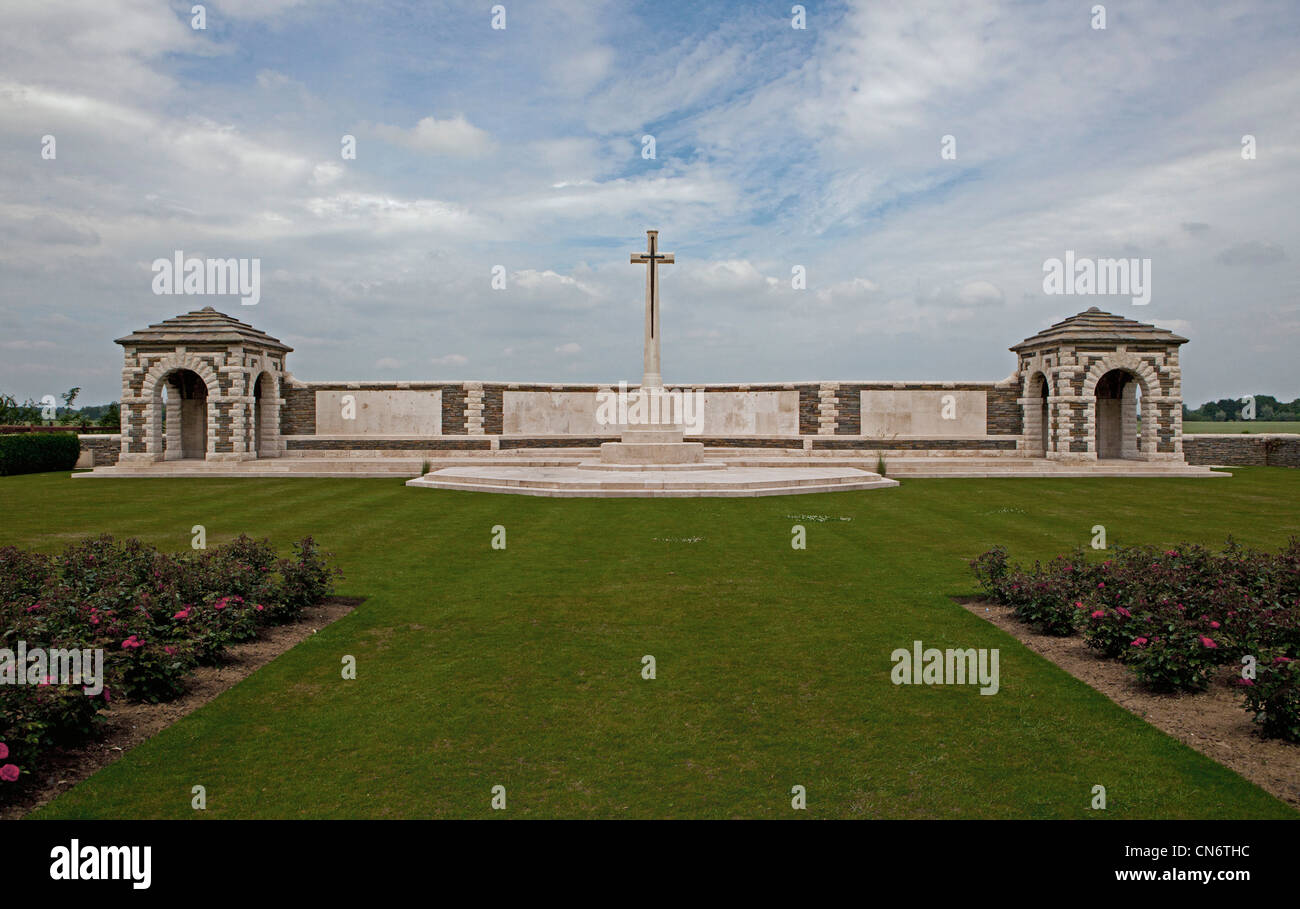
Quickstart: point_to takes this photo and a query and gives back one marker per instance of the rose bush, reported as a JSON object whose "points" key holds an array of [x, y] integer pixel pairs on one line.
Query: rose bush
{"points": [[1172, 615], [154, 615], [1274, 697]]}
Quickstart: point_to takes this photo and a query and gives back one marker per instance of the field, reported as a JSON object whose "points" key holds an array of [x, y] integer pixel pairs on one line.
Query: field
{"points": [[1248, 426], [522, 667]]}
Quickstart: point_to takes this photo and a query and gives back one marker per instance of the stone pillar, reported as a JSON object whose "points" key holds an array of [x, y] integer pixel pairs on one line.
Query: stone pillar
{"points": [[474, 408], [173, 420], [1128, 421], [827, 408]]}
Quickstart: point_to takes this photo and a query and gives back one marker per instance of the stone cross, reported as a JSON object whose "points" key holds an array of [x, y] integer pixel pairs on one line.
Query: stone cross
{"points": [[652, 259]]}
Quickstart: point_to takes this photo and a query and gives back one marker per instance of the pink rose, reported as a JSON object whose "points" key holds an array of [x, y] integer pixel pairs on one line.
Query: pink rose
{"points": [[9, 773], [1099, 613], [1138, 642], [4, 751], [1214, 624], [1206, 642]]}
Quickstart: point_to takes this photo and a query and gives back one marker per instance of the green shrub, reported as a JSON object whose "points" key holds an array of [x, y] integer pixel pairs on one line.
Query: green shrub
{"points": [[1274, 698], [1175, 659], [35, 452]]}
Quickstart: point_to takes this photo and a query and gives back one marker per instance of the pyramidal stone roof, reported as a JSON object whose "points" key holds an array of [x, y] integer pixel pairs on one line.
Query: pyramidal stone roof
{"points": [[203, 326], [1094, 325]]}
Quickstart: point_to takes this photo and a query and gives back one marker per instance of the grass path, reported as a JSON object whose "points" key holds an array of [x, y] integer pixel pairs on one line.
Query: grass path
{"points": [[522, 667]]}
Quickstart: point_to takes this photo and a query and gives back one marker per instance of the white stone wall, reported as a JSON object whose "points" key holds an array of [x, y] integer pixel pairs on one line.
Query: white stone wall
{"points": [[730, 413], [550, 413], [904, 412], [380, 412], [751, 413]]}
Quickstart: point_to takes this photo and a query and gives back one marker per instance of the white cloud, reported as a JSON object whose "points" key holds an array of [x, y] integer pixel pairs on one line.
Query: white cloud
{"points": [[456, 136], [976, 293]]}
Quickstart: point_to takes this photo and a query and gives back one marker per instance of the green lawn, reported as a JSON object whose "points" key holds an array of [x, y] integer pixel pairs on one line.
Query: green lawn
{"points": [[522, 667], [1192, 427]]}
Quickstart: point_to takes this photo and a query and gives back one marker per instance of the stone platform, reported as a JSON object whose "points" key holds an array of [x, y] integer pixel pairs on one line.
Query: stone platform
{"points": [[465, 470], [597, 480]]}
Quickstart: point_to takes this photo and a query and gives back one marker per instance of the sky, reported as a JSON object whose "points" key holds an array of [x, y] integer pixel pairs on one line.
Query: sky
{"points": [[521, 151]]}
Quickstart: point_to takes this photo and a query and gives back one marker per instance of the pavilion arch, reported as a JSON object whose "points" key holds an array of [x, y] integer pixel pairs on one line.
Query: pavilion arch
{"points": [[1037, 413], [264, 388], [188, 426], [1076, 355], [1110, 395], [238, 370]]}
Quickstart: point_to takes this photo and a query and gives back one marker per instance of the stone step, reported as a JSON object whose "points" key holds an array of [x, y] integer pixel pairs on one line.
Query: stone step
{"points": [[543, 483], [659, 492], [911, 468]]}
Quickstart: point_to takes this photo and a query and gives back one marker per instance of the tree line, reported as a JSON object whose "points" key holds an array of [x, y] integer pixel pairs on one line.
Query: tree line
{"points": [[1226, 410], [49, 413]]}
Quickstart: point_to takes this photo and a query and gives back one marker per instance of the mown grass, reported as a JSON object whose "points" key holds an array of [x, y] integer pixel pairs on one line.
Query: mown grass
{"points": [[1246, 426], [522, 667]]}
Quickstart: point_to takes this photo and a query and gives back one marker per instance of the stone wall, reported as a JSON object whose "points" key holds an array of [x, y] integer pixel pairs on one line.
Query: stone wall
{"points": [[99, 451], [1243, 450], [773, 415]]}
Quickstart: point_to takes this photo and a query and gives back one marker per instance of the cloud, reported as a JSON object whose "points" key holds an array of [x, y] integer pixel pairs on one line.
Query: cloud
{"points": [[450, 360], [978, 293], [733, 274], [389, 363], [21, 344], [775, 147], [49, 230], [570, 349], [855, 289], [1252, 252], [456, 137]]}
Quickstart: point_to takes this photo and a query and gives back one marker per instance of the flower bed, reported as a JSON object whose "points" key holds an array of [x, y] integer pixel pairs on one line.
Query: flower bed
{"points": [[154, 616], [1173, 616]]}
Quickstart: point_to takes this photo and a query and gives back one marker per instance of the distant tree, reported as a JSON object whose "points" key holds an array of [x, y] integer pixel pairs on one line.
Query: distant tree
{"points": [[67, 413], [112, 417], [12, 413]]}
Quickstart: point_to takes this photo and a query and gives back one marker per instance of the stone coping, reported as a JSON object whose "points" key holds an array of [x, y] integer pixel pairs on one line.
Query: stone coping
{"points": [[566, 386], [515, 437], [385, 437], [1241, 435]]}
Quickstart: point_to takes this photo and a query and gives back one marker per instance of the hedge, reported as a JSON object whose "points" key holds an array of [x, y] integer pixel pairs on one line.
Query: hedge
{"points": [[34, 452]]}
